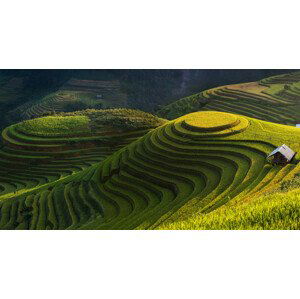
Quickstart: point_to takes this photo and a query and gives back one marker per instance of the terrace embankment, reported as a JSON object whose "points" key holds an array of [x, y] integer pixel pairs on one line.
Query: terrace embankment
{"points": [[275, 99], [194, 164]]}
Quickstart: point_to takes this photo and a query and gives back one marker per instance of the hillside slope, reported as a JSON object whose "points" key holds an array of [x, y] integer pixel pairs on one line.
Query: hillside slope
{"points": [[275, 99], [44, 150], [74, 95], [192, 165], [109, 91], [60, 101]]}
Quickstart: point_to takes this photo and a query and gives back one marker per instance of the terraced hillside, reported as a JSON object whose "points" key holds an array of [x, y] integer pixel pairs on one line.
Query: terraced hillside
{"points": [[60, 101], [109, 92], [37, 152], [275, 99], [192, 165], [73, 96]]}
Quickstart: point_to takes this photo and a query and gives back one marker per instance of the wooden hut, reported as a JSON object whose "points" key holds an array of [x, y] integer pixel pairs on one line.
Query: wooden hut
{"points": [[282, 155]]}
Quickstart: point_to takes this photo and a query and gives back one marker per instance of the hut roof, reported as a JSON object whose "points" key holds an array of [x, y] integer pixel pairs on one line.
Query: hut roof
{"points": [[285, 151]]}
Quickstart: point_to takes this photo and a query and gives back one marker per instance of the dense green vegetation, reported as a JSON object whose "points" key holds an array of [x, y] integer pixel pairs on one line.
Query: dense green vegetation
{"points": [[183, 106], [275, 211], [122, 119], [55, 125]]}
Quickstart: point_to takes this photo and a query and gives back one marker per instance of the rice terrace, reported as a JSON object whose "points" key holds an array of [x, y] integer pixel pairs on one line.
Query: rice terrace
{"points": [[149, 149]]}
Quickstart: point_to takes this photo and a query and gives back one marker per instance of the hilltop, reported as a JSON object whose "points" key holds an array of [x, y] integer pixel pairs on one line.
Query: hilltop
{"points": [[170, 177], [275, 99]]}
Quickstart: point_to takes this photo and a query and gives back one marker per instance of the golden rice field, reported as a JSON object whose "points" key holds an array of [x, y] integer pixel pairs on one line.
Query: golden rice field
{"points": [[204, 170]]}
